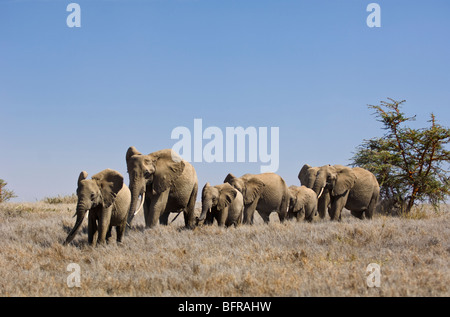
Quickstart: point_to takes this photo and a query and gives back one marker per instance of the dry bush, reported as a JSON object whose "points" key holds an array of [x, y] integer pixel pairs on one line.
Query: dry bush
{"points": [[290, 259], [68, 199]]}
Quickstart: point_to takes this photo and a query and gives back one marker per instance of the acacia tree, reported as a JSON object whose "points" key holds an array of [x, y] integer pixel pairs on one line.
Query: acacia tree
{"points": [[410, 164], [5, 194]]}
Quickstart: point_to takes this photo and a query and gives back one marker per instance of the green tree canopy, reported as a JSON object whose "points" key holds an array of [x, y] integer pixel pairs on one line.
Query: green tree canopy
{"points": [[410, 164]]}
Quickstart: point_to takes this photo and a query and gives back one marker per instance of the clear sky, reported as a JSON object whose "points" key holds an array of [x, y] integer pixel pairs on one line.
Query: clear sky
{"points": [[74, 99]]}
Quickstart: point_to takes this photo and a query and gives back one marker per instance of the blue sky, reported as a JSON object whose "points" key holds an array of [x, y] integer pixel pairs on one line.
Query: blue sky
{"points": [[74, 99]]}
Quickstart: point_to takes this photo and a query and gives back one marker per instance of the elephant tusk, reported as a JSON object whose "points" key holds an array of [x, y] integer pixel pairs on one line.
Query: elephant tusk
{"points": [[142, 203], [320, 194]]}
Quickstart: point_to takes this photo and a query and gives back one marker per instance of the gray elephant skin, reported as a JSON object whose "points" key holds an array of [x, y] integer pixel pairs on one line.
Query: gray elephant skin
{"points": [[302, 203], [266, 193], [221, 202], [356, 189], [166, 184], [107, 198]]}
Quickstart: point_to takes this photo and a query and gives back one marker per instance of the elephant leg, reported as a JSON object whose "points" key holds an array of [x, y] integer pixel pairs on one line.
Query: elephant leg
{"points": [[372, 206], [309, 212], [104, 221], [222, 217], [108, 234], [92, 228], [249, 211], [239, 219], [234, 215], [146, 207], [283, 209], [334, 215], [189, 212], [322, 205], [157, 206], [337, 204], [120, 231], [164, 218]]}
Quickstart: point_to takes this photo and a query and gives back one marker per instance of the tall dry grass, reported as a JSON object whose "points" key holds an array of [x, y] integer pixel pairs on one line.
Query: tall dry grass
{"points": [[290, 259]]}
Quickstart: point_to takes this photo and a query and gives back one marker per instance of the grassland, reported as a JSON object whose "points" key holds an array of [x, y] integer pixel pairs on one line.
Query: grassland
{"points": [[289, 259]]}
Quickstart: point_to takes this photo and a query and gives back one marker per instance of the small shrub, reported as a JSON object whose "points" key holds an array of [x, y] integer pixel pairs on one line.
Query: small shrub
{"points": [[68, 199], [5, 194]]}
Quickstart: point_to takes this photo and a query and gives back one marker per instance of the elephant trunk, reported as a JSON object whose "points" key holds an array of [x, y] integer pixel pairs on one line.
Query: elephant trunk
{"points": [[81, 212], [319, 185], [136, 191], [206, 207]]}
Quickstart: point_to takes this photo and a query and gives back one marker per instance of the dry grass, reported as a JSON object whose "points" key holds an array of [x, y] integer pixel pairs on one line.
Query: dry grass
{"points": [[290, 259], [68, 199]]}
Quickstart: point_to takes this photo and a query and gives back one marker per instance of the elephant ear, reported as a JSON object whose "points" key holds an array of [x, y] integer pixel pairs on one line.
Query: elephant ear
{"points": [[303, 175], [253, 189], [299, 204], [168, 167], [83, 175], [226, 196], [130, 152], [345, 180], [206, 186], [297, 200], [292, 197], [229, 178], [110, 183], [303, 197]]}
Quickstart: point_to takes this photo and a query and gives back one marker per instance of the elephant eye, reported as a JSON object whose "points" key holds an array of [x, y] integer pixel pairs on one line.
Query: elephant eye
{"points": [[92, 195]]}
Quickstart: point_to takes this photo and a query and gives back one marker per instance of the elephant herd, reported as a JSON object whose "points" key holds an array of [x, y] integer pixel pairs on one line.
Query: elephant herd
{"points": [[166, 183]]}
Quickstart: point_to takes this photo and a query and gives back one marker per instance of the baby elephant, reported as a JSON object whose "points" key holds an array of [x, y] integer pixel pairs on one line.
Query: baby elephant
{"points": [[221, 202], [302, 202], [107, 198]]}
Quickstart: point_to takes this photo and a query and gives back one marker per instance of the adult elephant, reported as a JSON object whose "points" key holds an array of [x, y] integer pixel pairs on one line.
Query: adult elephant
{"points": [[307, 177], [107, 199], [355, 188], [266, 193], [166, 183]]}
